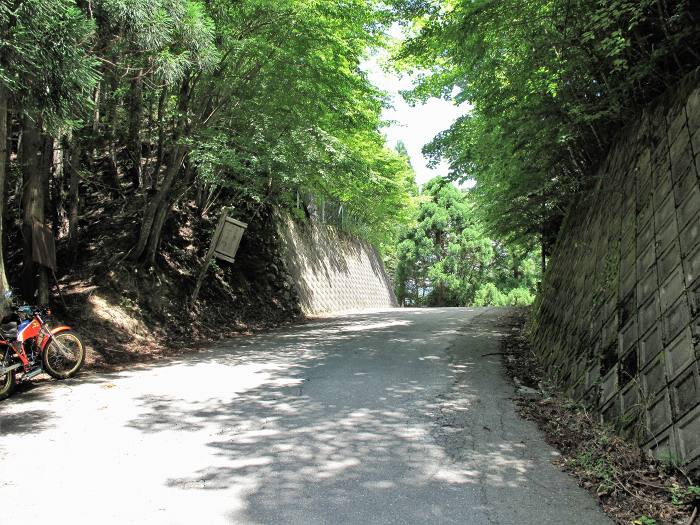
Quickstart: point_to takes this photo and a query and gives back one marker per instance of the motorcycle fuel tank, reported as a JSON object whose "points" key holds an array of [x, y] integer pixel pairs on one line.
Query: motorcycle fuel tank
{"points": [[28, 329]]}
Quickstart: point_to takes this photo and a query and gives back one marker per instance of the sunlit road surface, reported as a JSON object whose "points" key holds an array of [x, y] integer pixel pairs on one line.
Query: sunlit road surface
{"points": [[383, 417]]}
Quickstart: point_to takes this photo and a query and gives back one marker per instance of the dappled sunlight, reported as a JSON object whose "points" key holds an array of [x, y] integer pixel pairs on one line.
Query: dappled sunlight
{"points": [[325, 425], [117, 315], [276, 437], [361, 327]]}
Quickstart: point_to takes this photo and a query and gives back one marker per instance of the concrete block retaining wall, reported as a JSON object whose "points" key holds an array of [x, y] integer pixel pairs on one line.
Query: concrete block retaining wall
{"points": [[618, 317], [333, 271]]}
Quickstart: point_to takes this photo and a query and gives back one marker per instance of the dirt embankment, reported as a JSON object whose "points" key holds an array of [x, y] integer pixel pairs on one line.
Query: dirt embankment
{"points": [[128, 312]]}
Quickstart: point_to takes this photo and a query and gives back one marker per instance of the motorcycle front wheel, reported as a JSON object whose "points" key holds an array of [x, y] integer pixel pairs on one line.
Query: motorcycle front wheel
{"points": [[8, 382], [64, 355]]}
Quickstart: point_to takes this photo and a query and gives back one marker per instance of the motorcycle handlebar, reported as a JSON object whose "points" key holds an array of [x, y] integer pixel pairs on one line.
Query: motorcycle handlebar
{"points": [[31, 310]]}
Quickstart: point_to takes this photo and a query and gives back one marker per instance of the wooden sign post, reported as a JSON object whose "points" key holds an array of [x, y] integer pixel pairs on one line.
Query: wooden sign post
{"points": [[224, 245]]}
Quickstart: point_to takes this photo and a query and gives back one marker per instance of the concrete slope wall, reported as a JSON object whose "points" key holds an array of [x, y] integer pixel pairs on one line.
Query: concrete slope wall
{"points": [[618, 317], [333, 271]]}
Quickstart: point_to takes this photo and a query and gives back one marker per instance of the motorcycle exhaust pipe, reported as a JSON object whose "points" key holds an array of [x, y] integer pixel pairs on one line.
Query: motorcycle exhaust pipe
{"points": [[33, 373]]}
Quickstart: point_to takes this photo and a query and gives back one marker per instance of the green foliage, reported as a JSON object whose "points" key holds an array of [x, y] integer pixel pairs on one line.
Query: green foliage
{"points": [[446, 258], [520, 297], [551, 83], [489, 295], [598, 467], [289, 112], [44, 59], [216, 103], [681, 496], [162, 39], [670, 459]]}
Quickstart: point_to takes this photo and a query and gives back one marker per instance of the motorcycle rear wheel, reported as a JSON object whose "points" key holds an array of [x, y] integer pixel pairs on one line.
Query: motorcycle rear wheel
{"points": [[64, 355], [8, 382]]}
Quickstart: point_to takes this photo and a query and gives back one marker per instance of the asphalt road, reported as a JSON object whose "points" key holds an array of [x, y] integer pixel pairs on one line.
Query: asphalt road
{"points": [[384, 417]]}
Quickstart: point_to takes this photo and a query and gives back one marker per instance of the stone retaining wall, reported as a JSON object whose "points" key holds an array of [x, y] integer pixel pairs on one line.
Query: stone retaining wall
{"points": [[618, 318], [333, 271]]}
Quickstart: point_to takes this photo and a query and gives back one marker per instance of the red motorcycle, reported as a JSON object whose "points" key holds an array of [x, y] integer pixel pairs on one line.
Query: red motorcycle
{"points": [[32, 344]]}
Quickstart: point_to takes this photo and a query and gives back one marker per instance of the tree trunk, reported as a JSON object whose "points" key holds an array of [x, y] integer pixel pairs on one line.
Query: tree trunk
{"points": [[146, 171], [149, 217], [543, 261], [56, 193], [73, 171], [4, 285], [35, 174], [153, 219], [517, 273], [201, 198], [542, 236], [133, 141], [111, 135], [96, 109], [161, 216], [402, 293], [156, 230], [161, 140], [416, 295]]}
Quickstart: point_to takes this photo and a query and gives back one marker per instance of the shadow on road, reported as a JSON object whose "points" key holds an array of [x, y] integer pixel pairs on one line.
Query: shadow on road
{"points": [[399, 416], [302, 451], [25, 422]]}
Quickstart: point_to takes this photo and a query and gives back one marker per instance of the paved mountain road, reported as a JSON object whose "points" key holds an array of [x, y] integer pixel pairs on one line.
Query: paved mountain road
{"points": [[381, 417]]}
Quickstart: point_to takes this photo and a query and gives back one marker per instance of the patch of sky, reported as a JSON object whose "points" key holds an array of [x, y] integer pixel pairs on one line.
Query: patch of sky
{"points": [[417, 125]]}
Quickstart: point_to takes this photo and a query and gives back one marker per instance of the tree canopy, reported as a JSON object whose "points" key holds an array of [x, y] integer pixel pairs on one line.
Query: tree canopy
{"points": [[550, 81], [261, 104]]}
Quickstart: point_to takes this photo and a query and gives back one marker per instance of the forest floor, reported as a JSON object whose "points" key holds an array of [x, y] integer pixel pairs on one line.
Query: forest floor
{"points": [[119, 333], [631, 486]]}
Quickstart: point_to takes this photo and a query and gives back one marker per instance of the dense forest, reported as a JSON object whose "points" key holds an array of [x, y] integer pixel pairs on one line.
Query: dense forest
{"points": [[126, 125], [131, 111], [548, 84]]}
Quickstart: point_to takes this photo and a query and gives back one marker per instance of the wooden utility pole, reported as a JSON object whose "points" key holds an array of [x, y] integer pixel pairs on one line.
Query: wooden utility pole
{"points": [[4, 286]]}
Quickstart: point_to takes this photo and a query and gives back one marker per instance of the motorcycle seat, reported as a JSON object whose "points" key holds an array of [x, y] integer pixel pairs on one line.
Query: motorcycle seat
{"points": [[9, 330]]}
